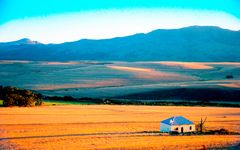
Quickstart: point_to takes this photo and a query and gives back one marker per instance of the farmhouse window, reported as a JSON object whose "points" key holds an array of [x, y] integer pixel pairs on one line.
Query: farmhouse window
{"points": [[190, 128], [176, 128]]}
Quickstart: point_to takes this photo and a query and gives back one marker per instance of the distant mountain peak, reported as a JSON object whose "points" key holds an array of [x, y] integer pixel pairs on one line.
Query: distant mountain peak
{"points": [[23, 41], [194, 43], [27, 41]]}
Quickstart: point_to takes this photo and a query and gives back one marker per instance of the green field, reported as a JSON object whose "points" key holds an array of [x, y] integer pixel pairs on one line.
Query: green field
{"points": [[55, 102]]}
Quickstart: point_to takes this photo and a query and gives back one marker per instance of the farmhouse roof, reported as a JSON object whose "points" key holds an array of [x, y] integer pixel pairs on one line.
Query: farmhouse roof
{"points": [[177, 120]]}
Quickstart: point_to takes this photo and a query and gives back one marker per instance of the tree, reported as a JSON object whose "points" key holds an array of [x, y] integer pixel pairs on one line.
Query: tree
{"points": [[8, 101], [229, 76], [13, 96], [201, 126]]}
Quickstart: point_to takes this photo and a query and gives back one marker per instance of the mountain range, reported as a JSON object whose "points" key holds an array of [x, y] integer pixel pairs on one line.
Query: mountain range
{"points": [[194, 43]]}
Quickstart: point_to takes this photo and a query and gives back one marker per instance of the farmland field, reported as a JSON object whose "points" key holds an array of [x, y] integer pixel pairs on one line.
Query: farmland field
{"points": [[110, 127], [112, 79]]}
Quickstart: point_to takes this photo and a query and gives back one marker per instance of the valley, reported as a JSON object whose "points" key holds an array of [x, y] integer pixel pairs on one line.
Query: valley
{"points": [[109, 79]]}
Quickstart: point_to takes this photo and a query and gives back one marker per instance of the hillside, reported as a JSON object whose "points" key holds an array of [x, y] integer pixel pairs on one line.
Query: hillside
{"points": [[188, 94], [195, 43]]}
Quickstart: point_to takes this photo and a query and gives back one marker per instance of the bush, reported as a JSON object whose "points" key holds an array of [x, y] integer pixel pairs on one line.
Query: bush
{"points": [[219, 132], [13, 96], [229, 76], [173, 133]]}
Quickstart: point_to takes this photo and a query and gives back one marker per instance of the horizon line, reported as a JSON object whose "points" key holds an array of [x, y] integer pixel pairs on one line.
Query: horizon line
{"points": [[39, 42]]}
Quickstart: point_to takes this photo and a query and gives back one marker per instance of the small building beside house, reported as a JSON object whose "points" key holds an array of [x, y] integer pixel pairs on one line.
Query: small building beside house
{"points": [[177, 124]]}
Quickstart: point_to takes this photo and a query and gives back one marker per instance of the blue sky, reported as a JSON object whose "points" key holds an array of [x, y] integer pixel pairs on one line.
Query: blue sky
{"points": [[56, 21]]}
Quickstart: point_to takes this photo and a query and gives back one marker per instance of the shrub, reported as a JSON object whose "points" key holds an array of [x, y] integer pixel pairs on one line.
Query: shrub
{"points": [[229, 76], [173, 133], [13, 96]]}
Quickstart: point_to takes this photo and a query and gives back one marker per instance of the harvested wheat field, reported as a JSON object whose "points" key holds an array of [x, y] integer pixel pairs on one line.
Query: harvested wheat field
{"points": [[110, 127]]}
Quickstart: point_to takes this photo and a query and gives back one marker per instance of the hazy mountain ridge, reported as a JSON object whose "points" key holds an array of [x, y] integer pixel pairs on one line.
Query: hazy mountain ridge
{"points": [[195, 43], [21, 42]]}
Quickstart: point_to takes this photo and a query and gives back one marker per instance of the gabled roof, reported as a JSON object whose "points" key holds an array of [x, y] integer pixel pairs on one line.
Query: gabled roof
{"points": [[176, 120]]}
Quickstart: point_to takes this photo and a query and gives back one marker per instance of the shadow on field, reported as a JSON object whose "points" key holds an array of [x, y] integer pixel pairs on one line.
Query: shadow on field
{"points": [[87, 134]]}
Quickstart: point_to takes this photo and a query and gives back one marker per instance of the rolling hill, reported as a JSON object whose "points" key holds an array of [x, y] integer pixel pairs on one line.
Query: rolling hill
{"points": [[195, 43]]}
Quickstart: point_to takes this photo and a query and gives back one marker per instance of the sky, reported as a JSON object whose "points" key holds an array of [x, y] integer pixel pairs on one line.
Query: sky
{"points": [[58, 21]]}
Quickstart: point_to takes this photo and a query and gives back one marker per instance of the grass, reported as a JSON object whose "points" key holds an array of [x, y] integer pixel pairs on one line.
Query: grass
{"points": [[55, 102], [52, 103]]}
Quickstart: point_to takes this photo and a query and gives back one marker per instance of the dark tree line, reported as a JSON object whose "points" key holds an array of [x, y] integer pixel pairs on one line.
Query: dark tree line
{"points": [[13, 96]]}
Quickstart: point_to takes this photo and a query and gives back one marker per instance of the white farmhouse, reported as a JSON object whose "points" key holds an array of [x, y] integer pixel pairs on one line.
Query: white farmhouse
{"points": [[177, 124]]}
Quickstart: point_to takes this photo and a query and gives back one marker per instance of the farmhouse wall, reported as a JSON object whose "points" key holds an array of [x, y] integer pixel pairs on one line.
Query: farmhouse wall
{"points": [[186, 128], [165, 127]]}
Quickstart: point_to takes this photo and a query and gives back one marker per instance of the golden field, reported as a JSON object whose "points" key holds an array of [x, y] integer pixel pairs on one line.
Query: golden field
{"points": [[110, 127]]}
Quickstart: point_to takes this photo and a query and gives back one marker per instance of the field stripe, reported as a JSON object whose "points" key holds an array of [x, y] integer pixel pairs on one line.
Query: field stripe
{"points": [[87, 134]]}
